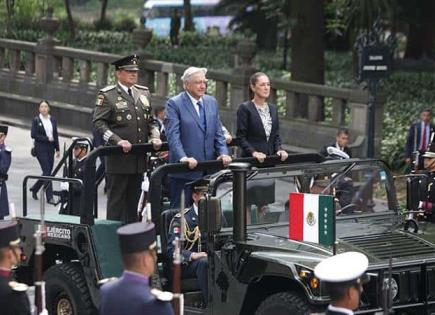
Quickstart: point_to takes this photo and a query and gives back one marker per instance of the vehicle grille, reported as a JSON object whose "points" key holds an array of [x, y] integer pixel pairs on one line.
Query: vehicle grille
{"points": [[396, 245]]}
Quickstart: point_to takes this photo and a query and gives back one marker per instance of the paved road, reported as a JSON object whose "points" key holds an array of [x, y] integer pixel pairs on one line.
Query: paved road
{"points": [[24, 164]]}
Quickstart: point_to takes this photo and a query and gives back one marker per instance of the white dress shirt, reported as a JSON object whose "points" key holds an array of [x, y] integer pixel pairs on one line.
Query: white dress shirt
{"points": [[195, 102], [48, 126], [125, 88]]}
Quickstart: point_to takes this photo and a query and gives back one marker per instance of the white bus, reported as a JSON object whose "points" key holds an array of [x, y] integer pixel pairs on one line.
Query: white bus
{"points": [[158, 15]]}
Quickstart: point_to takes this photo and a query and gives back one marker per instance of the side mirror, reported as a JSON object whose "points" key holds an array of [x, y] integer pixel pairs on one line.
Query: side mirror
{"points": [[210, 215]]}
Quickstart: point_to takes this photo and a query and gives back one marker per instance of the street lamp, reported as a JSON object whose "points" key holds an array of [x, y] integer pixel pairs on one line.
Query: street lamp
{"points": [[375, 64]]}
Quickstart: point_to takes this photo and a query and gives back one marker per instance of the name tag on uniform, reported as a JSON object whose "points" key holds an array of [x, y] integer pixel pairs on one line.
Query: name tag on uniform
{"points": [[121, 104]]}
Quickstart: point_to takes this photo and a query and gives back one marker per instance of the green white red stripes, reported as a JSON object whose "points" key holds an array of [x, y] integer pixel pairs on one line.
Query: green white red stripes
{"points": [[311, 218]]}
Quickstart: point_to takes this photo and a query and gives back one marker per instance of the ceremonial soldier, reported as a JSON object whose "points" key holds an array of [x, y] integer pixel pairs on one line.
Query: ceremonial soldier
{"points": [[123, 117], [131, 294], [13, 298], [194, 253], [427, 197], [80, 154], [343, 276], [5, 163]]}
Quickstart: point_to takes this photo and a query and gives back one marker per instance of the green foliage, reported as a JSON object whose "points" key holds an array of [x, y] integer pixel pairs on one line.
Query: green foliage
{"points": [[406, 95]]}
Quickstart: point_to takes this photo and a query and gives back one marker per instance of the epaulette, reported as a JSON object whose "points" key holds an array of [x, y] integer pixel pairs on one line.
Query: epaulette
{"points": [[142, 87], [17, 286], [164, 296], [106, 280], [108, 88], [178, 215], [7, 149]]}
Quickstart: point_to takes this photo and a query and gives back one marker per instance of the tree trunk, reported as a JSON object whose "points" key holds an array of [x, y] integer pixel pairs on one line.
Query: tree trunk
{"points": [[308, 48], [71, 24], [421, 36], [188, 19], [9, 12], [103, 10]]}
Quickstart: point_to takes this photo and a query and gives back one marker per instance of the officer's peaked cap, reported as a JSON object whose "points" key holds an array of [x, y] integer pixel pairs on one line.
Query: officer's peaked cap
{"points": [[4, 129], [129, 63], [137, 237], [9, 233], [343, 268]]}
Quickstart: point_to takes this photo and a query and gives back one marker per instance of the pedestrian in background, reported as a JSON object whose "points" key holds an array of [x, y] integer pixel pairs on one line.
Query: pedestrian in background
{"points": [[5, 164], [194, 131], [175, 27], [419, 138], [46, 144]]}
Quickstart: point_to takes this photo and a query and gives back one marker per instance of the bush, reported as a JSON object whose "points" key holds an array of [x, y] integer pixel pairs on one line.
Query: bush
{"points": [[124, 24]]}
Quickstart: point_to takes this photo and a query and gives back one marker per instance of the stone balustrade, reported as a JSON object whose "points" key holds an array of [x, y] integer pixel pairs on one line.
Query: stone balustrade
{"points": [[70, 78]]}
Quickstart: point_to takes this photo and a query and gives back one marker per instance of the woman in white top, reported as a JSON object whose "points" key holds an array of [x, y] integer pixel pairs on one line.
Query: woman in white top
{"points": [[45, 136]]}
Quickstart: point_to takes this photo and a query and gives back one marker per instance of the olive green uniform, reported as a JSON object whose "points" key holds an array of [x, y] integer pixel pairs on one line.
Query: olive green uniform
{"points": [[119, 116]]}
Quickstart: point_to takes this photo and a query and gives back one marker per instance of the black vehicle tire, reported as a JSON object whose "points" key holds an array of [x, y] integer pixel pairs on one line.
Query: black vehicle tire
{"points": [[66, 291], [285, 303]]}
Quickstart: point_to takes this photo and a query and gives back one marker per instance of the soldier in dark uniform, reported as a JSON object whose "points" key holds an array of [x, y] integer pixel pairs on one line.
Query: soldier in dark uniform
{"points": [[78, 167], [427, 196], [5, 163], [343, 276], [195, 261], [341, 143], [131, 294], [13, 297], [123, 116]]}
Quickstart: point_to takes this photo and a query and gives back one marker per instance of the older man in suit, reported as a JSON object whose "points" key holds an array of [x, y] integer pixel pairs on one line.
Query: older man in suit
{"points": [[419, 137], [193, 130]]}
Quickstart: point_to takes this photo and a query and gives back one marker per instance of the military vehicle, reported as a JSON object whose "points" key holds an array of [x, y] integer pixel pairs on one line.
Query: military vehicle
{"points": [[254, 267]]}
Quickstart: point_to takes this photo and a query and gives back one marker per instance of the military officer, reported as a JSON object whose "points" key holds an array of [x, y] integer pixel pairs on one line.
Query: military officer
{"points": [[426, 199], [123, 117], [343, 276], [80, 154], [131, 294], [5, 163], [13, 298], [195, 261]]}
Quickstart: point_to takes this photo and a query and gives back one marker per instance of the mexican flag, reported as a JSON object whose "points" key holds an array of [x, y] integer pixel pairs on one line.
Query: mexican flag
{"points": [[312, 218]]}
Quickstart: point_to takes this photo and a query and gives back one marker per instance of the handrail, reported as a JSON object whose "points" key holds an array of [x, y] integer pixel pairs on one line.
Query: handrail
{"points": [[47, 179]]}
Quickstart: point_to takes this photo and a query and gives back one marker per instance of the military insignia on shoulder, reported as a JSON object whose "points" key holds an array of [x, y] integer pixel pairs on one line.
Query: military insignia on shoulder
{"points": [[106, 280], [17, 286], [142, 87], [144, 100], [107, 88], [164, 296], [178, 215], [100, 100]]}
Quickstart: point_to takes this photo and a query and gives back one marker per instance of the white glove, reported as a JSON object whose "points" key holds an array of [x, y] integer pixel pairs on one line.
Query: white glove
{"points": [[64, 185], [145, 184]]}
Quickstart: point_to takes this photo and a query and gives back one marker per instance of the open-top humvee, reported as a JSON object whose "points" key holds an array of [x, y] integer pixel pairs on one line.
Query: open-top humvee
{"points": [[254, 268]]}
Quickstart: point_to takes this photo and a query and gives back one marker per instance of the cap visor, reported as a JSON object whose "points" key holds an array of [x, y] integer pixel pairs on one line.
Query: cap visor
{"points": [[129, 68]]}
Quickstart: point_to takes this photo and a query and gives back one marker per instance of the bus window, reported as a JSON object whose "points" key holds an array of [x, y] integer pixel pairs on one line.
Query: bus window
{"points": [[205, 15]]}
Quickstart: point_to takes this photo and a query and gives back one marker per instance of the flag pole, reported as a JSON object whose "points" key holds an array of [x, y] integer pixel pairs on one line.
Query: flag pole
{"points": [[334, 236]]}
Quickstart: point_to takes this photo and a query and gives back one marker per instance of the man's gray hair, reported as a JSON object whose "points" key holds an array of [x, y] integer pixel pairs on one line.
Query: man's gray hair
{"points": [[189, 72]]}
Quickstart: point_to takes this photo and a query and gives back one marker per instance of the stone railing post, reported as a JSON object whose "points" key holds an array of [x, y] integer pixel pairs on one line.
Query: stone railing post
{"points": [[141, 37], [44, 60], [244, 68]]}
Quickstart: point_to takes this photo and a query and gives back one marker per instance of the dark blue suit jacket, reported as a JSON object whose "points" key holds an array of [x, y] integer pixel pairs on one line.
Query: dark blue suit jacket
{"points": [[186, 135], [5, 163], [411, 144], [40, 137], [251, 133], [131, 294]]}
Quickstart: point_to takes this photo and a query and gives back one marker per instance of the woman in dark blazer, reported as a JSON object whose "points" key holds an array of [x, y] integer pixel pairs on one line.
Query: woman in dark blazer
{"points": [[46, 141], [258, 131]]}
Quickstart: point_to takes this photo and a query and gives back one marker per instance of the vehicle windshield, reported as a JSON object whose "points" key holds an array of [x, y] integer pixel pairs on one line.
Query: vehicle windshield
{"points": [[360, 189]]}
